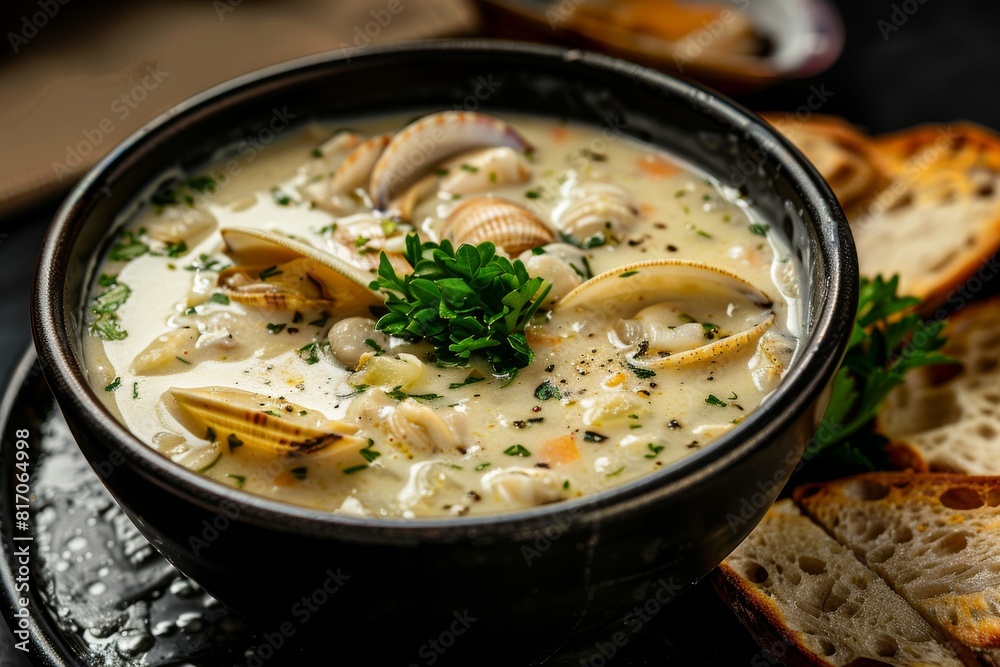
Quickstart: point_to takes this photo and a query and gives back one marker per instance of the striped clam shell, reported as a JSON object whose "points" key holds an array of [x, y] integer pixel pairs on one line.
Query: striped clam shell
{"points": [[236, 418], [593, 209], [505, 224], [343, 285], [416, 148], [669, 313]]}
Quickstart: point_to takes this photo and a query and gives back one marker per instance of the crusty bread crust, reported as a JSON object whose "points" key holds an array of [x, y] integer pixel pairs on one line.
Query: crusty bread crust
{"points": [[844, 155], [947, 418], [938, 220], [763, 619]]}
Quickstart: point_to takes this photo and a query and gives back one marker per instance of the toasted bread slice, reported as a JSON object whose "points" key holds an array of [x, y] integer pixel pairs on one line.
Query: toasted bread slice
{"points": [[933, 537], [938, 220], [947, 418], [843, 155], [796, 588]]}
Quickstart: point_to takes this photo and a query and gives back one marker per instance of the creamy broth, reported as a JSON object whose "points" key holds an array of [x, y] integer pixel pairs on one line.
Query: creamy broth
{"points": [[632, 371]]}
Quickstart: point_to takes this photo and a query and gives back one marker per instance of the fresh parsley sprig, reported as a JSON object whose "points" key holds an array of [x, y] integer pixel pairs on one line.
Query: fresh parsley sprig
{"points": [[463, 301], [887, 342]]}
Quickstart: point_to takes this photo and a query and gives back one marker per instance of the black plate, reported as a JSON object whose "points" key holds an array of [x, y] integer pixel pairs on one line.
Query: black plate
{"points": [[100, 595]]}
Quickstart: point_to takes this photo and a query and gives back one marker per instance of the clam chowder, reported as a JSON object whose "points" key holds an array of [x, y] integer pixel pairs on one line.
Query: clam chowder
{"points": [[463, 315]]}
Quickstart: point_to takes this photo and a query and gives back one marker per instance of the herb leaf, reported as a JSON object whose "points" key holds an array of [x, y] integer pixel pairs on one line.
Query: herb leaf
{"points": [[128, 248], [464, 301], [885, 345]]}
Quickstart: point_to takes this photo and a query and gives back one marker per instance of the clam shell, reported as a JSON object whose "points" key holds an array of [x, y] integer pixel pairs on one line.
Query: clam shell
{"points": [[431, 139], [176, 225], [481, 171], [251, 419], [345, 286], [354, 171], [505, 224], [470, 173], [595, 209], [739, 312], [368, 255], [295, 285]]}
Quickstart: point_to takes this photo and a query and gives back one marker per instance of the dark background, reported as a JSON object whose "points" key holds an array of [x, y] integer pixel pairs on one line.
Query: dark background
{"points": [[942, 64]]}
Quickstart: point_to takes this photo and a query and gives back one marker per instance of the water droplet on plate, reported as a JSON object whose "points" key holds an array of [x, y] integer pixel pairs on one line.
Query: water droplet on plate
{"points": [[190, 622], [77, 543], [135, 644], [164, 629]]}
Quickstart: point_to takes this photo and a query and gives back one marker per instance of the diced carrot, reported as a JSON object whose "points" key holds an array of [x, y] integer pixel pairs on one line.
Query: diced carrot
{"points": [[559, 133], [559, 451], [615, 380], [656, 166]]}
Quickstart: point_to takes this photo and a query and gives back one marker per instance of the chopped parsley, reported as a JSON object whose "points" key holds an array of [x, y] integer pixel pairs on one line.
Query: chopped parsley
{"points": [[759, 230], [176, 249], [117, 382], [309, 353], [204, 263], [641, 373], [219, 298], [654, 450], [398, 395], [517, 450], [547, 390], [276, 328], [104, 307], [300, 472], [714, 400], [280, 198], [463, 301], [474, 377], [594, 436], [128, 248]]}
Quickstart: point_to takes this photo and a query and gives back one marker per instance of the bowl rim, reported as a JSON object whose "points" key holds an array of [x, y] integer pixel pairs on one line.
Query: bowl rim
{"points": [[803, 384]]}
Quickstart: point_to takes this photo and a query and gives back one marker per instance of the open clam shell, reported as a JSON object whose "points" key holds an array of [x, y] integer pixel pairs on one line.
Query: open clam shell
{"points": [[505, 224], [344, 286], [356, 168], [475, 172], [669, 313], [431, 139], [236, 418]]}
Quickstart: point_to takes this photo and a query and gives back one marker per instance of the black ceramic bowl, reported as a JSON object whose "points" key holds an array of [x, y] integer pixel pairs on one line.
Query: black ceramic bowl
{"points": [[553, 572]]}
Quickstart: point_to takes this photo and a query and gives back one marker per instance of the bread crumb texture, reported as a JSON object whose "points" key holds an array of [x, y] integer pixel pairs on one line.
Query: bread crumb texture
{"points": [[931, 537], [796, 587], [947, 418]]}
